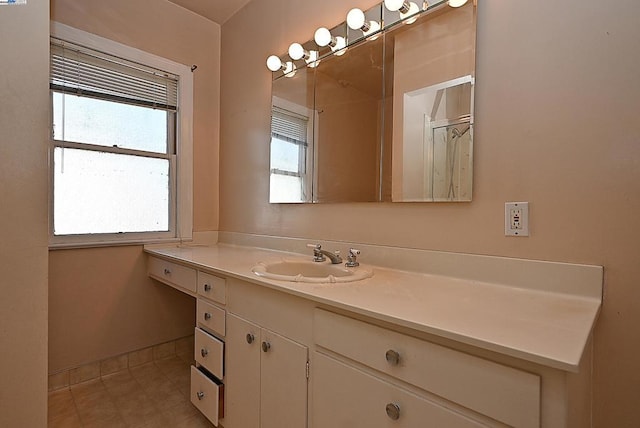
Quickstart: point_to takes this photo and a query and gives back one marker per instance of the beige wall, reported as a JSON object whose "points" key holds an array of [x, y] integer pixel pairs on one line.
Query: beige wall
{"points": [[556, 100], [101, 301], [24, 76], [101, 304]]}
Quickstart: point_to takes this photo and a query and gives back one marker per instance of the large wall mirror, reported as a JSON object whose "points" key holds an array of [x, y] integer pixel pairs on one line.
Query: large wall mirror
{"points": [[389, 119]]}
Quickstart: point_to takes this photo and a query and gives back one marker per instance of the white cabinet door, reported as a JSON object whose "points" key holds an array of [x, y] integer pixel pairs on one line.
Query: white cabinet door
{"points": [[266, 380], [283, 386], [242, 377]]}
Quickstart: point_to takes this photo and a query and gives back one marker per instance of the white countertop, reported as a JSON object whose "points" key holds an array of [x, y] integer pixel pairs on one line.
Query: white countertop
{"points": [[543, 327]]}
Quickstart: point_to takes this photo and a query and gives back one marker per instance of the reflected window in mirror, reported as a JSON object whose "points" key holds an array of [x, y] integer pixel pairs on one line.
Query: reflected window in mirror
{"points": [[291, 134]]}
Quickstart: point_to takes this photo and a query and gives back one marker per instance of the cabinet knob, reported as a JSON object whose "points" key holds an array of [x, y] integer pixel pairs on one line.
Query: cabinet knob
{"points": [[266, 346], [167, 271], [207, 316], [393, 411], [200, 395], [204, 352], [393, 357], [250, 338], [207, 287]]}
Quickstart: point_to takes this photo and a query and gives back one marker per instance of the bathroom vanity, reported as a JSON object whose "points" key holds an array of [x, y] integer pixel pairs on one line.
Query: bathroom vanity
{"points": [[467, 341]]}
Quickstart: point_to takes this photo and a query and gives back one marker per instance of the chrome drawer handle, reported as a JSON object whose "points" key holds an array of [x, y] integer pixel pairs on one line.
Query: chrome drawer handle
{"points": [[167, 271], [393, 411], [250, 338], [200, 395], [204, 352], [207, 316], [266, 346], [392, 357], [207, 287]]}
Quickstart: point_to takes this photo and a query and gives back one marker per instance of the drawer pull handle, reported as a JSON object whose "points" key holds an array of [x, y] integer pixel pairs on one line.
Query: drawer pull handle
{"points": [[207, 316], [207, 287], [250, 338], [200, 395], [167, 271], [266, 346], [393, 411], [204, 352], [393, 357]]}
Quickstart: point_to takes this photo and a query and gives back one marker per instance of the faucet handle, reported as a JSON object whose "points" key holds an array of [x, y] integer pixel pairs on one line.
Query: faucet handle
{"points": [[352, 258], [317, 255]]}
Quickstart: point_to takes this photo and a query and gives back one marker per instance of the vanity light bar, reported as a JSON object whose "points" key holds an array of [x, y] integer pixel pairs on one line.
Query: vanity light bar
{"points": [[356, 20]]}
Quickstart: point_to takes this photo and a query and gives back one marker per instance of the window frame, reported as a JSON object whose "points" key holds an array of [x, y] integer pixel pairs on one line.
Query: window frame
{"points": [[181, 181]]}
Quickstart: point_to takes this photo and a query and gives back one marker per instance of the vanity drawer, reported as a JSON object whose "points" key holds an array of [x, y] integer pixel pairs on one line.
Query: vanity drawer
{"points": [[344, 396], [209, 352], [503, 393], [172, 273], [211, 317], [207, 395], [212, 287]]}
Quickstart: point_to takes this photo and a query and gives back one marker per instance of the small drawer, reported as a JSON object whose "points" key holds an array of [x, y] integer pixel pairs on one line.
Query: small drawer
{"points": [[211, 317], [503, 393], [207, 395], [173, 274], [344, 396], [212, 287], [209, 353]]}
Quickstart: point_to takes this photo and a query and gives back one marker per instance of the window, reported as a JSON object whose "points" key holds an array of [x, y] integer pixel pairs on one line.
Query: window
{"points": [[121, 149], [291, 132]]}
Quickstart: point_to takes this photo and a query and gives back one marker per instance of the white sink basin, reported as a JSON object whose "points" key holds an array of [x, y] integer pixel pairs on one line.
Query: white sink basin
{"points": [[302, 270]]}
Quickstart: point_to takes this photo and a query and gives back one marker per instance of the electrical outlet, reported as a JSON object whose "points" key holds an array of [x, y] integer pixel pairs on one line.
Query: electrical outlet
{"points": [[516, 219]]}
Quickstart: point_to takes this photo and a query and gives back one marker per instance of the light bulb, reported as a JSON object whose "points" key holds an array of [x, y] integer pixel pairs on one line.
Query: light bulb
{"points": [[373, 26], [340, 47], [337, 44], [355, 19], [296, 51], [457, 3], [413, 9], [322, 37], [394, 5], [274, 63]]}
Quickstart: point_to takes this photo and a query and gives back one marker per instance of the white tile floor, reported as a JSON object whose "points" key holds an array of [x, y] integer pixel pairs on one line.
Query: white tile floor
{"points": [[154, 394]]}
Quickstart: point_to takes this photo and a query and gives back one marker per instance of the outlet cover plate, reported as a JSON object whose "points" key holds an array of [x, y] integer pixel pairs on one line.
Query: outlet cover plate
{"points": [[516, 219]]}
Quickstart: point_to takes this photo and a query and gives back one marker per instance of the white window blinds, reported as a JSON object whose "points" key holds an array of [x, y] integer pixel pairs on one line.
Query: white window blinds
{"points": [[289, 126], [82, 71]]}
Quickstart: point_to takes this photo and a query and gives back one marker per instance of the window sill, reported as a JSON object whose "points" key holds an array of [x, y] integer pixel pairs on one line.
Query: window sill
{"points": [[114, 243]]}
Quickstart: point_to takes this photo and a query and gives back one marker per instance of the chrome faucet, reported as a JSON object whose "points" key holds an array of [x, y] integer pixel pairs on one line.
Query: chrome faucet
{"points": [[319, 254], [352, 258]]}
